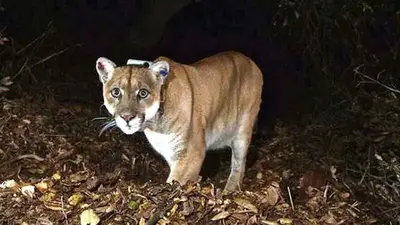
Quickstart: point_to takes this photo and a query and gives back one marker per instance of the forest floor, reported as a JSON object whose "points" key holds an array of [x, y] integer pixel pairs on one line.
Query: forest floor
{"points": [[340, 166]]}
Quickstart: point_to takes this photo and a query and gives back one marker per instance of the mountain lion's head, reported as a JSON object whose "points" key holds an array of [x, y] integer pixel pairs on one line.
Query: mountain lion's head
{"points": [[132, 93]]}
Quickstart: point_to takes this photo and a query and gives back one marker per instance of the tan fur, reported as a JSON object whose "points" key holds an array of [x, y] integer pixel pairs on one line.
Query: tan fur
{"points": [[210, 104]]}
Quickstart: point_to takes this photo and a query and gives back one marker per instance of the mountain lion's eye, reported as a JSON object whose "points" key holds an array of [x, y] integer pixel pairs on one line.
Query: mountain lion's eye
{"points": [[143, 93], [115, 92]]}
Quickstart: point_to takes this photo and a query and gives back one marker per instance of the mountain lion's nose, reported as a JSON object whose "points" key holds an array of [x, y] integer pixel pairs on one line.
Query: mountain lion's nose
{"points": [[127, 117]]}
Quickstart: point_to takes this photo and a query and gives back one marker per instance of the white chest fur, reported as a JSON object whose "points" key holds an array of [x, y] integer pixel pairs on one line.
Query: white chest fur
{"points": [[165, 144]]}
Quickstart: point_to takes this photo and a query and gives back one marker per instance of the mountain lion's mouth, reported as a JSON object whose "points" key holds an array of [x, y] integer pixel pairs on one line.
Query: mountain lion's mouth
{"points": [[132, 126]]}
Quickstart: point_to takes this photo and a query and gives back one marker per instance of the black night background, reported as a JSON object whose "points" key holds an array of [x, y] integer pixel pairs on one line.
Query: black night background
{"points": [[328, 129]]}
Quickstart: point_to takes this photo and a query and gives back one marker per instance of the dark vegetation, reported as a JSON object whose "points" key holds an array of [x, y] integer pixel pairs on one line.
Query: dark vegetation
{"points": [[328, 129]]}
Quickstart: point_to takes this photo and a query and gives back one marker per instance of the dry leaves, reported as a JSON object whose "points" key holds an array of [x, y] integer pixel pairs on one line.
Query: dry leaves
{"points": [[89, 217]]}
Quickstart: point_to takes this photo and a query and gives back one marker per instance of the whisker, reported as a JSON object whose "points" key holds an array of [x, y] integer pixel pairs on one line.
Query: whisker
{"points": [[100, 118], [107, 126], [101, 107]]}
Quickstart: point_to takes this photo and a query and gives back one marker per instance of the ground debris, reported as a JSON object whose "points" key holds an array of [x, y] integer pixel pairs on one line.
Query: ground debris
{"points": [[82, 177]]}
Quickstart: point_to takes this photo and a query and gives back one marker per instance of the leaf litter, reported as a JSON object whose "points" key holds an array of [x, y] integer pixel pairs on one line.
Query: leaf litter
{"points": [[55, 169]]}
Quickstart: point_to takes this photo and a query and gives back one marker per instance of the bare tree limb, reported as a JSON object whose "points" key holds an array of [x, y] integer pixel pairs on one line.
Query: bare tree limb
{"points": [[392, 89]]}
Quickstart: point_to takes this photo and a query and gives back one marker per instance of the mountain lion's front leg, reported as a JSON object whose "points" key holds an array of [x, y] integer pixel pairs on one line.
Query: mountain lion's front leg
{"points": [[188, 164]]}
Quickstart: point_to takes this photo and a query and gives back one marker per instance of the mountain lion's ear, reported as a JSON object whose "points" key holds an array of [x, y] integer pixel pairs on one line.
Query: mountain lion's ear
{"points": [[160, 67], [104, 68]]}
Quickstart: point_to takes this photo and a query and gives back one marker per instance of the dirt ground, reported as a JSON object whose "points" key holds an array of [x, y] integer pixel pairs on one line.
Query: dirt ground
{"points": [[340, 166]]}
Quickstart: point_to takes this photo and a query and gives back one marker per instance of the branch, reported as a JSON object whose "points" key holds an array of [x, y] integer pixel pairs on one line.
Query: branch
{"points": [[356, 71]]}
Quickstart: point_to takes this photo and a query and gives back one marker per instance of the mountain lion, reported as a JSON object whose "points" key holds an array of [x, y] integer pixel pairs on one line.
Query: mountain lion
{"points": [[185, 110]]}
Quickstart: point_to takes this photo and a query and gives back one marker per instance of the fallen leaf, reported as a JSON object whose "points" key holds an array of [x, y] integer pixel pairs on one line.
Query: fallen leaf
{"points": [[268, 222], [37, 170], [78, 177], [329, 219], [47, 197], [272, 194], [187, 208], [8, 184], [28, 190], [56, 176], [314, 179], [44, 221], [75, 199], [133, 204], [89, 217], [92, 183], [110, 208], [26, 121], [379, 139], [245, 204], [164, 221], [345, 195], [285, 221], [173, 210], [241, 218], [42, 186], [252, 220], [54, 207], [221, 216]]}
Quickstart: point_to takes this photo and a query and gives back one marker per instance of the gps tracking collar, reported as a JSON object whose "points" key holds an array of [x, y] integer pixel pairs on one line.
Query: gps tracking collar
{"points": [[137, 62]]}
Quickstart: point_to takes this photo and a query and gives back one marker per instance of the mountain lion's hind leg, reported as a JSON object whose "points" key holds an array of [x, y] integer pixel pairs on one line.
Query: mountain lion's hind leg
{"points": [[238, 163], [240, 146]]}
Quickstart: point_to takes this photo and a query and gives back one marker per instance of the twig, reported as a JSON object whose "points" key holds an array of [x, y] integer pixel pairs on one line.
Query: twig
{"points": [[381, 179], [33, 156], [49, 57], [21, 69], [326, 192], [163, 209], [63, 211], [356, 71], [34, 41], [204, 214], [391, 210], [366, 169], [290, 197]]}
